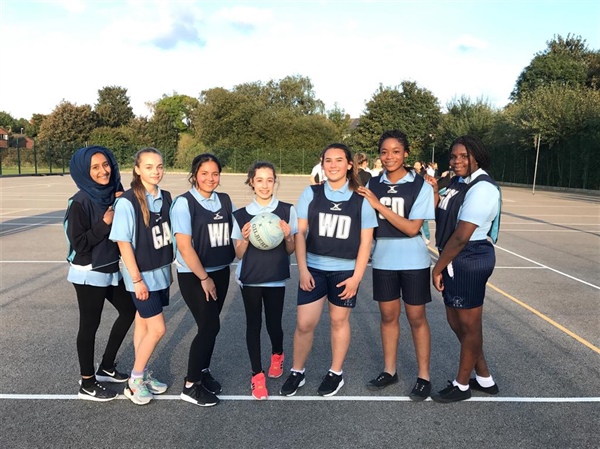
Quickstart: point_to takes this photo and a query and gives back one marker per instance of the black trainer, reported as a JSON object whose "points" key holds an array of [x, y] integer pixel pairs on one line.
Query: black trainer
{"points": [[382, 381], [110, 375], [473, 384], [294, 381], [331, 384], [210, 383], [451, 394], [96, 392], [421, 390], [198, 395]]}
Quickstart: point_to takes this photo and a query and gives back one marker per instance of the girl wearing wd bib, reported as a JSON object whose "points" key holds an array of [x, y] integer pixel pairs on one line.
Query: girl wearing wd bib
{"points": [[262, 273], [335, 234], [467, 213], [142, 230], [202, 223], [94, 266]]}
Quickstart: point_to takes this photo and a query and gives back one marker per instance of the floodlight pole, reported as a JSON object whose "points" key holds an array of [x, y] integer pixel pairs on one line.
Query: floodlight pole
{"points": [[537, 155]]}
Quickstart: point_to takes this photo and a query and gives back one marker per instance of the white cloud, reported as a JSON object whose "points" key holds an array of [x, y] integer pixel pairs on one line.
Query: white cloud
{"points": [[467, 42], [244, 18]]}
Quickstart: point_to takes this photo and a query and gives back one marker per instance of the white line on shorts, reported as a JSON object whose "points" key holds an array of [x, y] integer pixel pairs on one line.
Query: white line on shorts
{"points": [[68, 397]]}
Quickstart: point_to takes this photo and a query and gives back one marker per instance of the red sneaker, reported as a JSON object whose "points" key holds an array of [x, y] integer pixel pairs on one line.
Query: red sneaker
{"points": [[259, 386], [276, 368]]}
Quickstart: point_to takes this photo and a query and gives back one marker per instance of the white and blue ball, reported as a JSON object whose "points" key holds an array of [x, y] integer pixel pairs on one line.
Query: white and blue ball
{"points": [[265, 232]]}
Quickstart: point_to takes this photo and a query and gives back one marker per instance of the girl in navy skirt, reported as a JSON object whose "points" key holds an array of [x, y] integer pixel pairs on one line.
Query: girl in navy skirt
{"points": [[467, 213], [94, 266], [263, 273]]}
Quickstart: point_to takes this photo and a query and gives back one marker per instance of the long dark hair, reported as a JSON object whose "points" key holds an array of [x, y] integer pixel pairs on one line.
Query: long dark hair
{"points": [[351, 174], [138, 187], [256, 166], [197, 163]]}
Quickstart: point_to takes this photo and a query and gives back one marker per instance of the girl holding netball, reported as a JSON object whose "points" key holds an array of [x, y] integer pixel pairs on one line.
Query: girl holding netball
{"points": [[403, 201], [262, 273], [333, 244], [202, 223], [94, 266], [467, 213], [143, 232]]}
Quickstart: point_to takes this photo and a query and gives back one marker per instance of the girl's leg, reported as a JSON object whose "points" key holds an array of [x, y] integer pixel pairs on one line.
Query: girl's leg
{"points": [[390, 333], [340, 335], [252, 297], [273, 300], [308, 316], [471, 347], [121, 300], [91, 303], [153, 329], [419, 327]]}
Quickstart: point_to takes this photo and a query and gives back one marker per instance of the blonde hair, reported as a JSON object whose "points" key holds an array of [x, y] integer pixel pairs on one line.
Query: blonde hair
{"points": [[138, 187]]}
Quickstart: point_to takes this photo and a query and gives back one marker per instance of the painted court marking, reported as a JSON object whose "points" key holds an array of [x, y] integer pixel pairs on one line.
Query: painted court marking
{"points": [[69, 397]]}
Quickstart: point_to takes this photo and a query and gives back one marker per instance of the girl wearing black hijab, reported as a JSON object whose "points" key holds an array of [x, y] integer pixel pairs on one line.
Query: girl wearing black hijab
{"points": [[94, 266]]}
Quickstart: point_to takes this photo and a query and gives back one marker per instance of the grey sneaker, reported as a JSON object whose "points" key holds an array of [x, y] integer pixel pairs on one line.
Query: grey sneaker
{"points": [[154, 385], [137, 391]]}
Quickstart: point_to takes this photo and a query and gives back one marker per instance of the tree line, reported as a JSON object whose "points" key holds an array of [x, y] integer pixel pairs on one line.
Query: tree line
{"points": [[556, 99]]}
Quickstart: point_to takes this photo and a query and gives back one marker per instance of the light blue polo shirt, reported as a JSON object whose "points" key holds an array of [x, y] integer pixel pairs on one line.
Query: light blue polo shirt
{"points": [[407, 253], [254, 209], [124, 230], [481, 205], [368, 221], [181, 222]]}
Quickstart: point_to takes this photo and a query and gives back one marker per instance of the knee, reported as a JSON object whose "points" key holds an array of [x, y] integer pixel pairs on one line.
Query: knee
{"points": [[305, 327], [417, 321], [339, 323], [390, 319]]}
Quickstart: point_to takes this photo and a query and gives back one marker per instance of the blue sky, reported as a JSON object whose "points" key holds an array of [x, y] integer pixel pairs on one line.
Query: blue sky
{"points": [[69, 49]]}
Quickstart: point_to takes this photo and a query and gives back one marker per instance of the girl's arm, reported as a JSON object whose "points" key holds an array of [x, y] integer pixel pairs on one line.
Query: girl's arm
{"points": [[242, 245], [290, 245], [307, 283], [191, 259], [128, 257], [457, 241], [362, 259]]}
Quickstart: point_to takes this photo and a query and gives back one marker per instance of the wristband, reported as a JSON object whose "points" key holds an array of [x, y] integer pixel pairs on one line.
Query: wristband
{"points": [[202, 280], [139, 280]]}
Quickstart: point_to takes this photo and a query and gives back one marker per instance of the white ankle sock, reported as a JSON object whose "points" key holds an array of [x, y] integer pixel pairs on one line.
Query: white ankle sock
{"points": [[485, 382], [460, 386]]}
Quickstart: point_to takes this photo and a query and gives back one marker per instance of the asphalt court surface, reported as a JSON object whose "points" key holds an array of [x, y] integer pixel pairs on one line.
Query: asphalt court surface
{"points": [[541, 337]]}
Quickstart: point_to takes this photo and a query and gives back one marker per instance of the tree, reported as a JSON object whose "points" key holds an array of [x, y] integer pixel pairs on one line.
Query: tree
{"points": [[466, 116], [118, 140], [67, 128], [7, 121], [180, 108], [564, 62], [407, 107], [164, 135], [341, 121], [113, 107]]}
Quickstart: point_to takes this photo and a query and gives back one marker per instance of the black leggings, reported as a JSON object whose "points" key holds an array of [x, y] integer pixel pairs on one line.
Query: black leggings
{"points": [[254, 297], [91, 303], [206, 313]]}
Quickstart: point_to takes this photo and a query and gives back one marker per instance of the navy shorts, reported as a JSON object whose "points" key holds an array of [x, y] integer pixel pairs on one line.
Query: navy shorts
{"points": [[413, 286], [154, 304], [465, 278], [325, 285]]}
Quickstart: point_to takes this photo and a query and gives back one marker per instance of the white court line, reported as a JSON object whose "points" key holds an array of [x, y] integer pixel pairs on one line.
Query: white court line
{"points": [[520, 268], [548, 224], [69, 397], [549, 268], [550, 230]]}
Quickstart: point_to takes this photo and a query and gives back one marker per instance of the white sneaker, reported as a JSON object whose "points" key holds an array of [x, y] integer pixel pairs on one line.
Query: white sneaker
{"points": [[137, 391]]}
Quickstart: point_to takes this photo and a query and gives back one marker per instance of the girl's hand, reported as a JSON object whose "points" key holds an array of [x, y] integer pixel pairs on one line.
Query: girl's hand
{"points": [[351, 287], [437, 280], [141, 290], [210, 290], [246, 232], [285, 228], [109, 215], [307, 282], [432, 182], [369, 196]]}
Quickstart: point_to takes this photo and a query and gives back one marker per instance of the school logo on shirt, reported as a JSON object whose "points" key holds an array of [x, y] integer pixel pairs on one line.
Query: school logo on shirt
{"points": [[218, 233], [161, 235], [395, 203], [336, 206], [218, 216], [392, 189], [332, 225], [446, 199]]}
